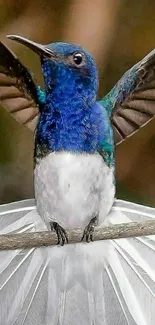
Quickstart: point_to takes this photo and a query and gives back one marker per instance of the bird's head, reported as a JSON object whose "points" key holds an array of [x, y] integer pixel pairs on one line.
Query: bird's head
{"points": [[66, 67]]}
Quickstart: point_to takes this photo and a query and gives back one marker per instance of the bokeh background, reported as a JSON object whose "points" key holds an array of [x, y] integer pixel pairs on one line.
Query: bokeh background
{"points": [[118, 33]]}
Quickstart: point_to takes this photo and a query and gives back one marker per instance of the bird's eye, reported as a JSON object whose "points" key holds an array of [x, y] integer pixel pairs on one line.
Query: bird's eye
{"points": [[78, 59]]}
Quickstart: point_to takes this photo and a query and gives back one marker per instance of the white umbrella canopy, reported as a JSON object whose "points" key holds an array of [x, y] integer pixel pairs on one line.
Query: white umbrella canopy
{"points": [[110, 282]]}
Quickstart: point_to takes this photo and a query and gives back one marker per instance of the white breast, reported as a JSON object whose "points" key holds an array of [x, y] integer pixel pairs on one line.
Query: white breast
{"points": [[72, 188]]}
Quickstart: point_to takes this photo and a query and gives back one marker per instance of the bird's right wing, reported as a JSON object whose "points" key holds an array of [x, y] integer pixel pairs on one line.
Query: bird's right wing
{"points": [[19, 93], [131, 103]]}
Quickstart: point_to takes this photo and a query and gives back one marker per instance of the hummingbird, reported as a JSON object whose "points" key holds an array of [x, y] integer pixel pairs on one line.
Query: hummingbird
{"points": [[105, 282], [75, 137]]}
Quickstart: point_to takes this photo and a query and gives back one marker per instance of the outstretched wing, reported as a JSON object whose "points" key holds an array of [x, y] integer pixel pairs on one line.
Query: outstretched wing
{"points": [[131, 103], [18, 91]]}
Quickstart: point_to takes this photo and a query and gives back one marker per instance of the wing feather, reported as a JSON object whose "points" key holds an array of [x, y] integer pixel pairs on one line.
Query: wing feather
{"points": [[18, 91], [131, 103]]}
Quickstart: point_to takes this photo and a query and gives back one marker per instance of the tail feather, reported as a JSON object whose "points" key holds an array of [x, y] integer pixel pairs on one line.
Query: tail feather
{"points": [[132, 287], [136, 259], [100, 283]]}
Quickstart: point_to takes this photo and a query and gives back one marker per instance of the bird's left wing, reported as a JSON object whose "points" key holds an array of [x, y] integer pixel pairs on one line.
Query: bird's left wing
{"points": [[19, 94], [131, 103]]}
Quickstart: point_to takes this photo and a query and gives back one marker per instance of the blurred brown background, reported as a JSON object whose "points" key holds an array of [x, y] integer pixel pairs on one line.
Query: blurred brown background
{"points": [[118, 33]]}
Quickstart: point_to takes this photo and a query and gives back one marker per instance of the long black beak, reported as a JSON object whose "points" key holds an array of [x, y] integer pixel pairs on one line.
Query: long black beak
{"points": [[40, 49]]}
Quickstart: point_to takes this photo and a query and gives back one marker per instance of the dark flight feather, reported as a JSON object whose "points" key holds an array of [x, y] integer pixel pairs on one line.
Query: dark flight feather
{"points": [[131, 103], [18, 91]]}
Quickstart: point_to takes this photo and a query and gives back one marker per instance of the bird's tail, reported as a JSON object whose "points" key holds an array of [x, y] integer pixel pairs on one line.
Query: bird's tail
{"points": [[100, 283]]}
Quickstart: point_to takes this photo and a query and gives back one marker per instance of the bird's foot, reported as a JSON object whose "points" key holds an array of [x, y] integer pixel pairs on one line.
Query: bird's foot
{"points": [[88, 233], [61, 233]]}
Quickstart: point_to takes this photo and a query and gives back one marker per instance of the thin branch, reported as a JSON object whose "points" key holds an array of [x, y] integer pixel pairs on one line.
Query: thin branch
{"points": [[46, 238]]}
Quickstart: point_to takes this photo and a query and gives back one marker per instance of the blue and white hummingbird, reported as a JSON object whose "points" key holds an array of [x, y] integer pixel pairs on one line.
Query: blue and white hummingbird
{"points": [[74, 142], [75, 137], [74, 147]]}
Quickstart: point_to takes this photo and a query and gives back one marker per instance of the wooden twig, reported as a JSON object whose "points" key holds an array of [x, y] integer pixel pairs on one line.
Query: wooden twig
{"points": [[46, 238]]}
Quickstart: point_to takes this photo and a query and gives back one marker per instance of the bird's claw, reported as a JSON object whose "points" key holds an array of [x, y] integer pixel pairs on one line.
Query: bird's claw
{"points": [[88, 233], [61, 234]]}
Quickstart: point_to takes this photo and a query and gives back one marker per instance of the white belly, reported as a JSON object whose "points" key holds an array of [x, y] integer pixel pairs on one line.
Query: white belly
{"points": [[73, 188]]}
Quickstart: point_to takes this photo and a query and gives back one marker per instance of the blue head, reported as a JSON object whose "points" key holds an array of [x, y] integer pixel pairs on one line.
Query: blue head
{"points": [[70, 118], [70, 73]]}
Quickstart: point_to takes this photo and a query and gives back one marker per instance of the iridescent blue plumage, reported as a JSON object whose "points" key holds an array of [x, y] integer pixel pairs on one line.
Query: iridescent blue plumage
{"points": [[41, 95], [72, 119]]}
